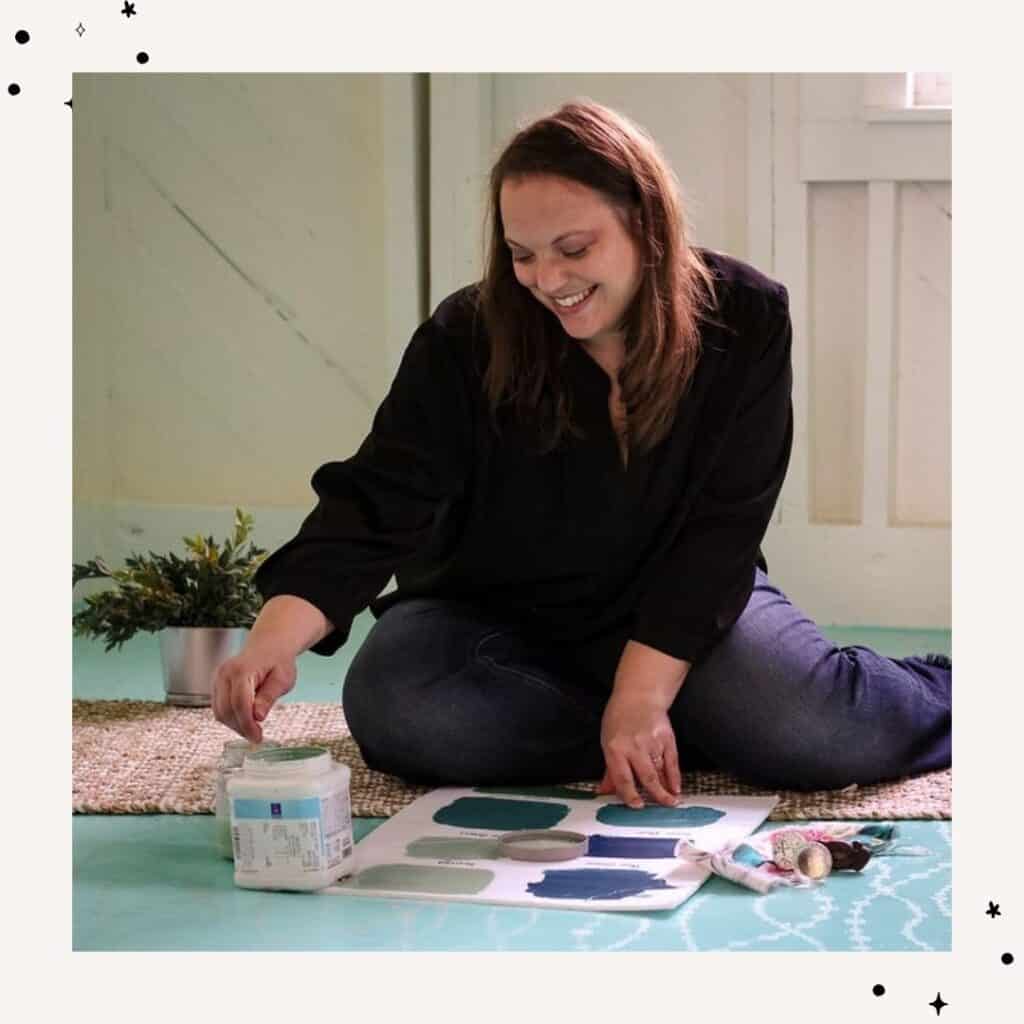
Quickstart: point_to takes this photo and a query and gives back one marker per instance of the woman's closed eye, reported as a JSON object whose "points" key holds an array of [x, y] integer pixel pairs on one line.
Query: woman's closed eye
{"points": [[572, 255]]}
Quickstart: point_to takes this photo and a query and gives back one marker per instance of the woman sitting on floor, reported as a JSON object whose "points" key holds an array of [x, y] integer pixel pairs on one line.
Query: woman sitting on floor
{"points": [[571, 476]]}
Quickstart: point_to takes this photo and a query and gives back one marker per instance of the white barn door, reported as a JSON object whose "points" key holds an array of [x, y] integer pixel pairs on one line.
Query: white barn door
{"points": [[861, 236]]}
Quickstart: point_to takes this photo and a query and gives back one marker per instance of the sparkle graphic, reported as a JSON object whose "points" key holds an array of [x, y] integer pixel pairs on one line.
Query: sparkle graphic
{"points": [[128, 10], [80, 29], [938, 1003], [993, 910]]}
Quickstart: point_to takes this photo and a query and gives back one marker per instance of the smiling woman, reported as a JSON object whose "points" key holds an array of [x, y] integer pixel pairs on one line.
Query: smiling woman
{"points": [[570, 477], [587, 276]]}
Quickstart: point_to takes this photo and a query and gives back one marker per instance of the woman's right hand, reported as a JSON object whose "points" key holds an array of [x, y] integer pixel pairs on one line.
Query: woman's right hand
{"points": [[245, 688]]}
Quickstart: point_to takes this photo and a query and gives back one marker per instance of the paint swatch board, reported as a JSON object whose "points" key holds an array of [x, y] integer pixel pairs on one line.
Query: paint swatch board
{"points": [[444, 846]]}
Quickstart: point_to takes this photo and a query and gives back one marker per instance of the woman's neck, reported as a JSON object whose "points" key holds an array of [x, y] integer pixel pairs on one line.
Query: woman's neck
{"points": [[608, 352]]}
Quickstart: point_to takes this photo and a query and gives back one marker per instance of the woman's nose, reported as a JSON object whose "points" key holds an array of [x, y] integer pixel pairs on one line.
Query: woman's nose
{"points": [[551, 277]]}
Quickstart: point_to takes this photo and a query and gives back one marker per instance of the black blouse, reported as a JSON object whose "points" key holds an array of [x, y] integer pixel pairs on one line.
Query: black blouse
{"points": [[661, 551]]}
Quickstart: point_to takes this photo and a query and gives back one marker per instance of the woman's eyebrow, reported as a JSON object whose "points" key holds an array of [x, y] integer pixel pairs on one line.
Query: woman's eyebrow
{"points": [[579, 231]]}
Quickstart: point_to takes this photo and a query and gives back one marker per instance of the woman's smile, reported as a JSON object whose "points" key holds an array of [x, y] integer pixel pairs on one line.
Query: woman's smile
{"points": [[571, 305]]}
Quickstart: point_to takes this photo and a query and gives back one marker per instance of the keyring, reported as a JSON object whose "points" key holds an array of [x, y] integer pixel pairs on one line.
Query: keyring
{"points": [[543, 844]]}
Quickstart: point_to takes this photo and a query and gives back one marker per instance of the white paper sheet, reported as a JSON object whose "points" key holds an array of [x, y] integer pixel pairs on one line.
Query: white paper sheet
{"points": [[443, 846]]}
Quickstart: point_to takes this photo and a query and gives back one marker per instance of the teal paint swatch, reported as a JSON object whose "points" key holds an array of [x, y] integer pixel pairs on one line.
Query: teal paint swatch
{"points": [[502, 815], [456, 847], [595, 884], [425, 878], [557, 792], [656, 816]]}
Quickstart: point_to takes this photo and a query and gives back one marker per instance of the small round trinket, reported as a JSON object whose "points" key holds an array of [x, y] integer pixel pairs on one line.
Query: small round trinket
{"points": [[814, 861], [786, 845]]}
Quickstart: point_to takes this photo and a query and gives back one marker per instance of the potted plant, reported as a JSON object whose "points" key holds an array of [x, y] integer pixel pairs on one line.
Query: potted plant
{"points": [[201, 605]]}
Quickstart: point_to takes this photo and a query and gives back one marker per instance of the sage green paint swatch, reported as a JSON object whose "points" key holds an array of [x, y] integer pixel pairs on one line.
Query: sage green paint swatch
{"points": [[502, 815], [440, 881], [557, 792], [442, 847]]}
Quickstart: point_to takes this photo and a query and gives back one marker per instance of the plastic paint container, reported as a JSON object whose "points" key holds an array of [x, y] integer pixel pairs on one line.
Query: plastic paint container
{"points": [[291, 819], [231, 761]]}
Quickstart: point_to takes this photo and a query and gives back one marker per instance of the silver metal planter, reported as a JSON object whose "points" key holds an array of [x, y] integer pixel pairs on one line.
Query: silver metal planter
{"points": [[190, 656]]}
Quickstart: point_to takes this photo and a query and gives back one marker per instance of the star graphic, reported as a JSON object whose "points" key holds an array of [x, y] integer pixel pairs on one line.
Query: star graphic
{"points": [[993, 910], [128, 10], [80, 29], [938, 1003]]}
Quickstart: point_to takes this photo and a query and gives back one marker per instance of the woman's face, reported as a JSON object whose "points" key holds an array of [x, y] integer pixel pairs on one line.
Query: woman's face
{"points": [[568, 242]]}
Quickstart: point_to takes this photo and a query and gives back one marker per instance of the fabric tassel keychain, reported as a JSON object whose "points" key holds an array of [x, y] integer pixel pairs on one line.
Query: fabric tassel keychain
{"points": [[801, 856]]}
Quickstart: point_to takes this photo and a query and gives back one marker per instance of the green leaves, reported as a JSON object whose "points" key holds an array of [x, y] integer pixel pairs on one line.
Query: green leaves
{"points": [[211, 586]]}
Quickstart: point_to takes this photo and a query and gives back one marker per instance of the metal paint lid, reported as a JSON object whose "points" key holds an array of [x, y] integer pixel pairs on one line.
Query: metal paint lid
{"points": [[543, 844]]}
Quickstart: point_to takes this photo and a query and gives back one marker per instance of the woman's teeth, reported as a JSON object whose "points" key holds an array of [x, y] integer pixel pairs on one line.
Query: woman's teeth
{"points": [[575, 300]]}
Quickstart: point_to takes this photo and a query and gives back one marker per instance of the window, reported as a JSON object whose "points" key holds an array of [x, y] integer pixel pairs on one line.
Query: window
{"points": [[906, 97], [929, 89]]}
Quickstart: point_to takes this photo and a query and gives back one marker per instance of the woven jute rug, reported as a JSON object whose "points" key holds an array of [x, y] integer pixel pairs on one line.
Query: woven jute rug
{"points": [[144, 757]]}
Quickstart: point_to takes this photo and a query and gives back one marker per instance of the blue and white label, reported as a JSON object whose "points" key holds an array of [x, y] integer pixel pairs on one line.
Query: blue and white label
{"points": [[287, 810], [282, 837]]}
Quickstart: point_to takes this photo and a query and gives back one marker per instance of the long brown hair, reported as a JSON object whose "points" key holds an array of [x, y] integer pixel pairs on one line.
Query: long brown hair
{"points": [[597, 147]]}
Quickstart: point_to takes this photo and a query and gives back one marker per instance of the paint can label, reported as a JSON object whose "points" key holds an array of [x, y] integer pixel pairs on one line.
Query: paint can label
{"points": [[305, 836]]}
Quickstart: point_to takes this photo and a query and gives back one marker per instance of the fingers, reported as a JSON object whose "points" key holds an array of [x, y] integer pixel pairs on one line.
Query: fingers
{"points": [[673, 773], [277, 683], [649, 775], [233, 689], [627, 773], [222, 697], [620, 772], [242, 692]]}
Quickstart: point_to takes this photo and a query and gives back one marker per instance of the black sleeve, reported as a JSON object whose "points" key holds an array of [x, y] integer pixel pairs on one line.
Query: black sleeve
{"points": [[704, 583], [377, 508]]}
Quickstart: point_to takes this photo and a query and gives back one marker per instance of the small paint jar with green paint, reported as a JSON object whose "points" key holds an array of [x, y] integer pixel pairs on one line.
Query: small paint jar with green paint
{"points": [[231, 758], [291, 819]]}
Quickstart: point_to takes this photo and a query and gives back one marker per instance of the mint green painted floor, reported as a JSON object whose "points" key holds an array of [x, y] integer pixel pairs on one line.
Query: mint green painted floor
{"points": [[154, 882]]}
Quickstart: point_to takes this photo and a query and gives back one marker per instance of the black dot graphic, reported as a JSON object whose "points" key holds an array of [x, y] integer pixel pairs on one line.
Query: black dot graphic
{"points": [[14, 88], [879, 990], [1007, 958], [142, 58], [21, 36]]}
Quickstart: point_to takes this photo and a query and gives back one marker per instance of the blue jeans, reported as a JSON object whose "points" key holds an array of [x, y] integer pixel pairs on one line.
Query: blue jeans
{"points": [[443, 693]]}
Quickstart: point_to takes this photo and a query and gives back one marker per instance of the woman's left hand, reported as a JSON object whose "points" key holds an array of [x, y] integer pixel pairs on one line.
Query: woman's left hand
{"points": [[639, 747]]}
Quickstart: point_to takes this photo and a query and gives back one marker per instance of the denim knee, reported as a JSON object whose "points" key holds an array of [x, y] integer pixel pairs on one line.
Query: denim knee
{"points": [[804, 723], [382, 697], [457, 700]]}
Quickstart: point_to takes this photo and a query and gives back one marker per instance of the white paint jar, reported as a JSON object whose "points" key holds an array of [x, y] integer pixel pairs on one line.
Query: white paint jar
{"points": [[291, 819], [231, 758]]}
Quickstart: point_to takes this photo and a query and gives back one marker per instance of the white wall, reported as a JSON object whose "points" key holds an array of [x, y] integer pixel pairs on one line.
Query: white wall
{"points": [[248, 263]]}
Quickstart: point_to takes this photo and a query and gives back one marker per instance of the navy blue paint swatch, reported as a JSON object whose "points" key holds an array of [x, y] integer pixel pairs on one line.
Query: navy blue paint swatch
{"points": [[595, 884], [631, 847], [656, 816]]}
